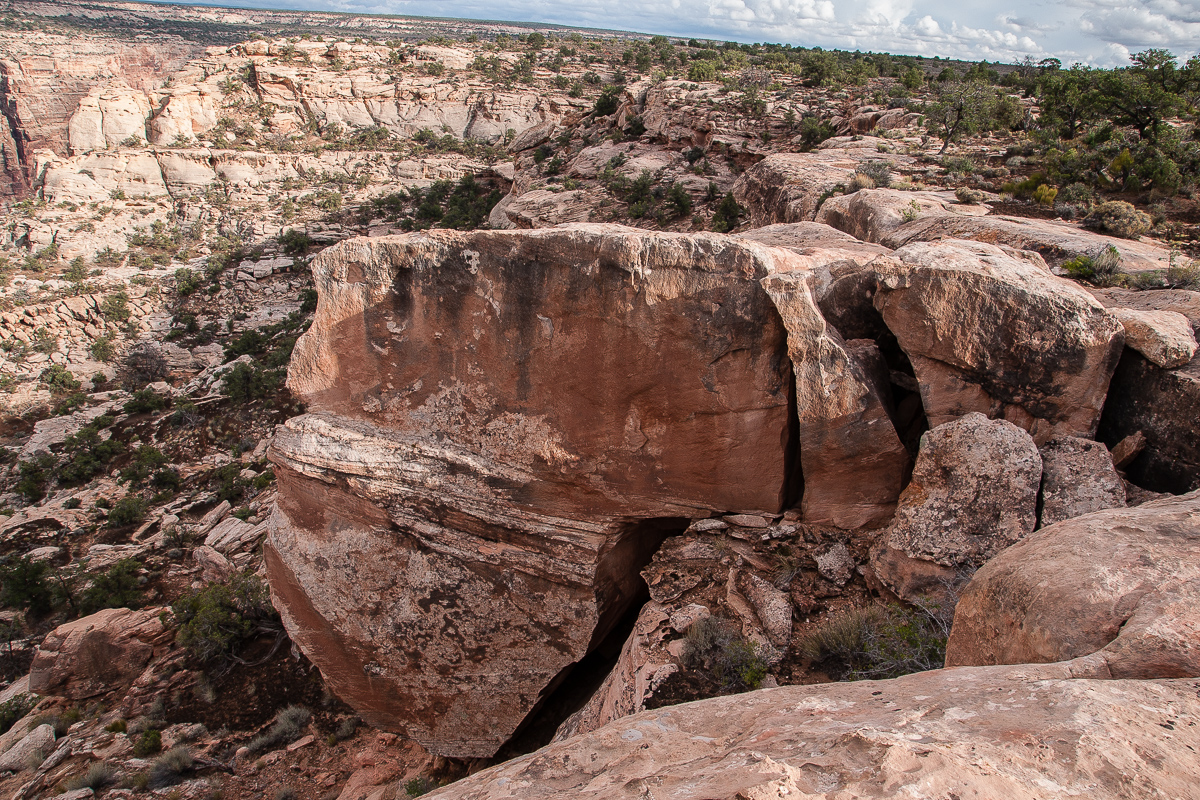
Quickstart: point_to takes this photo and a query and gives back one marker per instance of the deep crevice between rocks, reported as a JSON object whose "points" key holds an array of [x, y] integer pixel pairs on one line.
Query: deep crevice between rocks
{"points": [[621, 568], [906, 409]]}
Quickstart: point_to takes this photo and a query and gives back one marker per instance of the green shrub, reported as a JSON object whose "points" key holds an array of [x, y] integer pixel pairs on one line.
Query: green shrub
{"points": [[608, 102], [186, 281], [1118, 218], [215, 621], [149, 743], [15, 709], [117, 726], [145, 401], [103, 348], [25, 584], [115, 307], [86, 454], [245, 382], [33, 477], [117, 587], [289, 725], [879, 641], [1044, 195], [1103, 270], [129, 510], [418, 786], [146, 460], [715, 646], [59, 380], [968, 196], [726, 217]]}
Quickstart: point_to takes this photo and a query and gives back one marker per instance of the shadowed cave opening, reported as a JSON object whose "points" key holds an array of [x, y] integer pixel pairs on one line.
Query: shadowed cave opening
{"points": [[575, 684]]}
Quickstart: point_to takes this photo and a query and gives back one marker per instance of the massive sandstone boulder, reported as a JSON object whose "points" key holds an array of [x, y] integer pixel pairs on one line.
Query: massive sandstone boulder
{"points": [[503, 427], [974, 492], [852, 459], [788, 187], [989, 331], [1115, 594], [97, 654], [995, 732]]}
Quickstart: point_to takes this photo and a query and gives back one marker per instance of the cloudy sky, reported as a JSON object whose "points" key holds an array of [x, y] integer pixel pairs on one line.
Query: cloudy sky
{"points": [[1100, 32]]}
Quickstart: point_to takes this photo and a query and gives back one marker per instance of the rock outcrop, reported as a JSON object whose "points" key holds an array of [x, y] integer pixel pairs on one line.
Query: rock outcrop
{"points": [[895, 219], [950, 733], [1078, 477], [1165, 338], [974, 492], [502, 429], [788, 187], [852, 459], [1162, 404], [1116, 594], [989, 331], [97, 654]]}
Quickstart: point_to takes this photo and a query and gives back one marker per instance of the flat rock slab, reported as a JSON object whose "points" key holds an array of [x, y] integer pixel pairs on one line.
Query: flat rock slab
{"points": [[979, 732]]}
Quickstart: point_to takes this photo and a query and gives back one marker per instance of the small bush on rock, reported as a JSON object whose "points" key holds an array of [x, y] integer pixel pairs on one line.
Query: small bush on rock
{"points": [[714, 646], [14, 709], [169, 768], [289, 725], [1118, 218], [149, 743], [215, 621], [98, 776], [880, 641]]}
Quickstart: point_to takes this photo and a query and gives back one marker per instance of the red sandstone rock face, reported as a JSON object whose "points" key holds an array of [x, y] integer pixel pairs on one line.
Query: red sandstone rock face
{"points": [[503, 426], [989, 331], [97, 654]]}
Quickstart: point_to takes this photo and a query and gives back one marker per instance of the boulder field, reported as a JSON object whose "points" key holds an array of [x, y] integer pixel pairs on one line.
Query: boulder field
{"points": [[510, 434]]}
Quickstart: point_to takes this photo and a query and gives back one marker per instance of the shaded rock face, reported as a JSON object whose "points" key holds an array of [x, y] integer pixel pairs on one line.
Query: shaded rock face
{"points": [[990, 332], [974, 492], [1078, 477], [1115, 594], [502, 429], [1162, 404], [955, 733], [97, 654]]}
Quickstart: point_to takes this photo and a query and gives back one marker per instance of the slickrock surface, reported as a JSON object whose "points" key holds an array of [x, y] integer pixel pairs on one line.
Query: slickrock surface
{"points": [[995, 732], [1117, 591], [894, 219]]}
